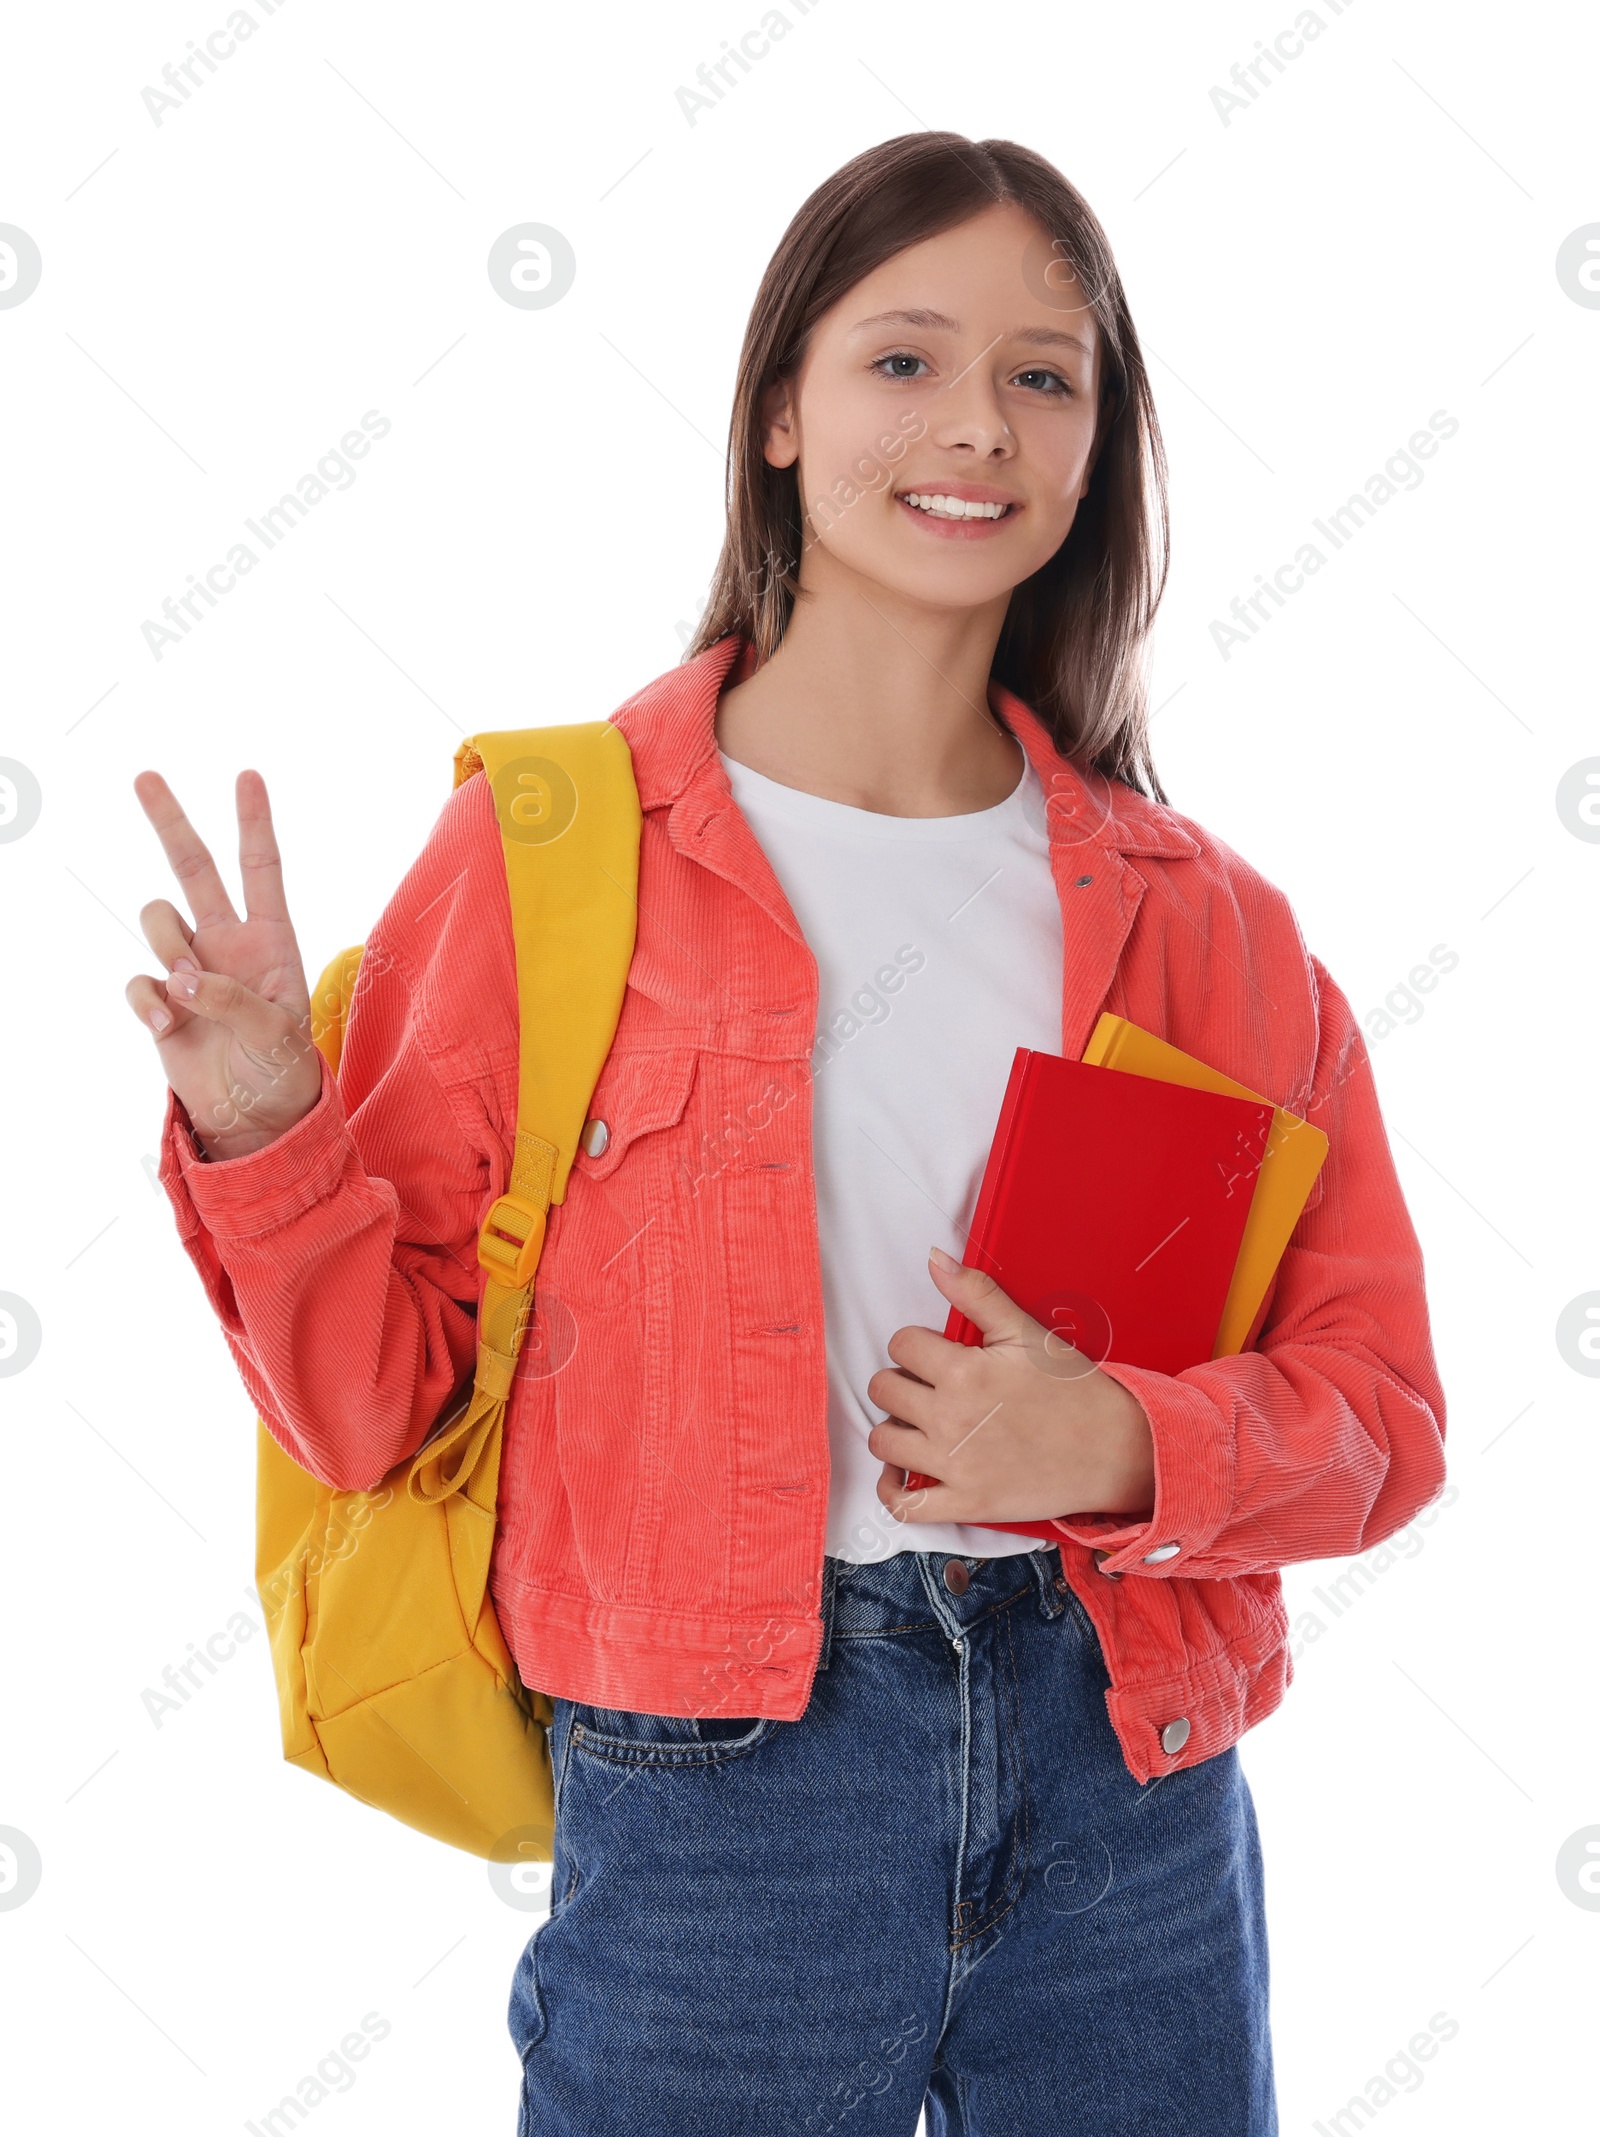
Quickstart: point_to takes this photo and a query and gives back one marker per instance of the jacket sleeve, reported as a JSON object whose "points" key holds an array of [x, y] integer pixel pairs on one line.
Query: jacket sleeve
{"points": [[341, 1258], [1327, 1436]]}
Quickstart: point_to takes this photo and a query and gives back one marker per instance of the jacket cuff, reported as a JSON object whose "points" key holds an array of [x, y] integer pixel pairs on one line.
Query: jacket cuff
{"points": [[235, 1198], [1194, 1496]]}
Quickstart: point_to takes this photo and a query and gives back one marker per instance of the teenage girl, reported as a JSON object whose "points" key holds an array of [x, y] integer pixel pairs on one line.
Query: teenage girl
{"points": [[862, 1802]]}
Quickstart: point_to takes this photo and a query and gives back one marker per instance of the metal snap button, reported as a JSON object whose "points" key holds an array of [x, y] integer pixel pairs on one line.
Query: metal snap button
{"points": [[1175, 1735], [956, 1577], [596, 1135], [1100, 1565], [1162, 1553]]}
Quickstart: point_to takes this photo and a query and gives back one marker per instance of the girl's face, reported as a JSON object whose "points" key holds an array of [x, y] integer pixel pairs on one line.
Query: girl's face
{"points": [[943, 417]]}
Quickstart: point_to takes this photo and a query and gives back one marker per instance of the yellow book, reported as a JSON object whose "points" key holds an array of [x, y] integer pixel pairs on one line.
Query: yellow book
{"points": [[1290, 1163]]}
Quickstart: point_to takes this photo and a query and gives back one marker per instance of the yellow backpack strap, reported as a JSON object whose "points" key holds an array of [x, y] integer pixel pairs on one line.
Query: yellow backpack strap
{"points": [[569, 818]]}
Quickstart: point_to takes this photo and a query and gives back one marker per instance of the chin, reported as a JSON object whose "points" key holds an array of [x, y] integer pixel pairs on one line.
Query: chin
{"points": [[956, 585]]}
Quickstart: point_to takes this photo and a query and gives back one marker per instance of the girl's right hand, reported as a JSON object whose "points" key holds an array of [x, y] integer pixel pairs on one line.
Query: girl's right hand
{"points": [[232, 1019]]}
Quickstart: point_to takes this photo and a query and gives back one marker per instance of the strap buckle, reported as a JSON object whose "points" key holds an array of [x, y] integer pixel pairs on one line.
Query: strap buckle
{"points": [[511, 1241]]}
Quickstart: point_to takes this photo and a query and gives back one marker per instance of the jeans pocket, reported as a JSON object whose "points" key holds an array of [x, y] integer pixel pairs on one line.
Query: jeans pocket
{"points": [[631, 1739]]}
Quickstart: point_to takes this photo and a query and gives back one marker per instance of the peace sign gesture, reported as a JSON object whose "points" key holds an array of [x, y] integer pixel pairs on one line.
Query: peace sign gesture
{"points": [[232, 1019]]}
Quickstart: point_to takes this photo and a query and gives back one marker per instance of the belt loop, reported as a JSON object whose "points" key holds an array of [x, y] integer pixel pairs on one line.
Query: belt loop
{"points": [[830, 1574], [1046, 1565]]}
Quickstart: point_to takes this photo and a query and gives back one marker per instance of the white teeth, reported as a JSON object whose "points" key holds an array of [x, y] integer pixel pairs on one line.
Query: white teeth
{"points": [[953, 507]]}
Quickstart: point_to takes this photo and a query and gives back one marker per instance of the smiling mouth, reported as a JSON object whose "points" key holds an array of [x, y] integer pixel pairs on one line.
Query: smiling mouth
{"points": [[938, 506]]}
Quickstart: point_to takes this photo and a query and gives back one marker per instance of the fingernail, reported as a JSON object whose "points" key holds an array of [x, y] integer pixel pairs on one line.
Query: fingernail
{"points": [[942, 1260], [184, 964], [184, 982], [160, 1019]]}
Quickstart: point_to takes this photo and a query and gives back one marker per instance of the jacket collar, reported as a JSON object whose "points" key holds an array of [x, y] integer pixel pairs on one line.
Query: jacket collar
{"points": [[670, 730]]}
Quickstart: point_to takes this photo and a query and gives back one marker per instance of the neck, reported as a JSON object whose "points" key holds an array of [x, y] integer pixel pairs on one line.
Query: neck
{"points": [[877, 703]]}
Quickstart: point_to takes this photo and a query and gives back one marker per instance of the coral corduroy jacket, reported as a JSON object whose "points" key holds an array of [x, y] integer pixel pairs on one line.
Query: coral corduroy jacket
{"points": [[664, 1484]]}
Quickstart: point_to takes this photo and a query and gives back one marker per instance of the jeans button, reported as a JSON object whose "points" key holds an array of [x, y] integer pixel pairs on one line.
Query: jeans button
{"points": [[956, 1577]]}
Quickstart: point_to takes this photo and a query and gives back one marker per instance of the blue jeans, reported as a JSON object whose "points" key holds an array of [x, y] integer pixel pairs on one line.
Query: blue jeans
{"points": [[940, 1884]]}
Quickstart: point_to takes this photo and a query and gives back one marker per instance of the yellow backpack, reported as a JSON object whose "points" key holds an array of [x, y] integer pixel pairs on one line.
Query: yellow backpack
{"points": [[394, 1679]]}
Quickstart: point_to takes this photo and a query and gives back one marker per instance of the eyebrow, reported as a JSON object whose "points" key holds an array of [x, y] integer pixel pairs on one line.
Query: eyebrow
{"points": [[1049, 337]]}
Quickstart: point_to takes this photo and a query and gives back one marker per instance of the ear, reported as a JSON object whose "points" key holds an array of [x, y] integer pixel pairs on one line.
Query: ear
{"points": [[780, 437]]}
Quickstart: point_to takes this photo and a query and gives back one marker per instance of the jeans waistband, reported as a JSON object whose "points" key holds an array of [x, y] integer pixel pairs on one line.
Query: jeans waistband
{"points": [[908, 1592]]}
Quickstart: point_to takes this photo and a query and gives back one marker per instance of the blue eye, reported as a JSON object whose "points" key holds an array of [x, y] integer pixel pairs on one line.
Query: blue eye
{"points": [[898, 356], [1057, 384]]}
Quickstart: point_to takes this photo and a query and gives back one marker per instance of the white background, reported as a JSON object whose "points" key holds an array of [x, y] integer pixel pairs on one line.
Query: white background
{"points": [[223, 296]]}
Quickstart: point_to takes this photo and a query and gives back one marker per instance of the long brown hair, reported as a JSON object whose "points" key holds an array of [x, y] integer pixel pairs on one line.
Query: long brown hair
{"points": [[1074, 640]]}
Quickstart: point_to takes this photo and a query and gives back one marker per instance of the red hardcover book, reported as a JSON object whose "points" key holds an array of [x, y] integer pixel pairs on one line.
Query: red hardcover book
{"points": [[1111, 1209]]}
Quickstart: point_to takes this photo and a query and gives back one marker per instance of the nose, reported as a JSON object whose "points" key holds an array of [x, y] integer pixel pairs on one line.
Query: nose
{"points": [[968, 416]]}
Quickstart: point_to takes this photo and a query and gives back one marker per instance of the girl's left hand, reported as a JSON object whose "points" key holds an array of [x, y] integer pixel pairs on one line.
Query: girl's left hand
{"points": [[1025, 1428]]}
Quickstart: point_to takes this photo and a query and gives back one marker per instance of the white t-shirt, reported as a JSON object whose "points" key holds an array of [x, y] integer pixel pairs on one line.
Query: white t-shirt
{"points": [[939, 951]]}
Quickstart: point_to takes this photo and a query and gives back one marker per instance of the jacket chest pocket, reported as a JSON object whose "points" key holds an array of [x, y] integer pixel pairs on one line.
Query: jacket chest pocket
{"points": [[625, 1179]]}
